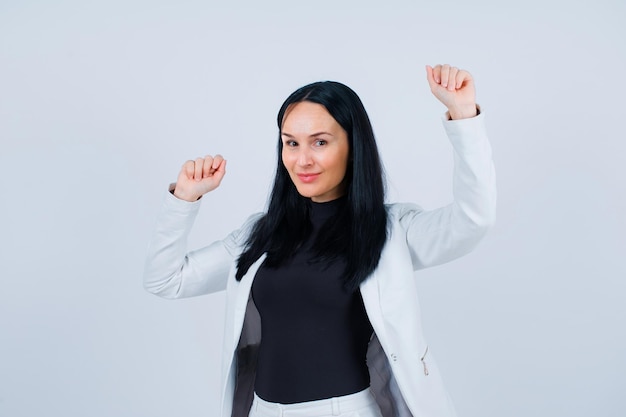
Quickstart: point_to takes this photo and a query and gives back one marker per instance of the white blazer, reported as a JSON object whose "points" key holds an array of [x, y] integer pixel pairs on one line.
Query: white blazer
{"points": [[404, 376]]}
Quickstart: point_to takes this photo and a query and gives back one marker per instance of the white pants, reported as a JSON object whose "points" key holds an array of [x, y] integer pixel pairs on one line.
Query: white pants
{"points": [[360, 404]]}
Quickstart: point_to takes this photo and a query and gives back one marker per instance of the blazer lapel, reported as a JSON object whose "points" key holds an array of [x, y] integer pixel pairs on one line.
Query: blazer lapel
{"points": [[241, 298]]}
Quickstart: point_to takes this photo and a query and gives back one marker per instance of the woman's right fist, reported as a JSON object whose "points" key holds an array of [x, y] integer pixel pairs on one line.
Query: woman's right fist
{"points": [[198, 177]]}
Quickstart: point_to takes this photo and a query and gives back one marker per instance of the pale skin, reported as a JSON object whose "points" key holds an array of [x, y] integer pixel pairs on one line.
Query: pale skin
{"points": [[315, 151], [305, 151]]}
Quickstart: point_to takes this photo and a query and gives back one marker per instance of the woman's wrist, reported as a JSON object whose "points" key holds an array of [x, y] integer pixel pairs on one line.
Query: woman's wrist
{"points": [[465, 112], [181, 195]]}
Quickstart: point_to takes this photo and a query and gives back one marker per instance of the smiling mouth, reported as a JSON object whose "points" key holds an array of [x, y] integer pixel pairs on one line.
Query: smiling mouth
{"points": [[306, 178]]}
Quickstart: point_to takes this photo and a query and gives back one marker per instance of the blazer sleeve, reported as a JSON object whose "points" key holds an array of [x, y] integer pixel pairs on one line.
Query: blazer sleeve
{"points": [[441, 235], [173, 272]]}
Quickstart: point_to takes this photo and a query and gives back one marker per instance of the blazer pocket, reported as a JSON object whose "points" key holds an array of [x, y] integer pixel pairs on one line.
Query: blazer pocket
{"points": [[423, 360]]}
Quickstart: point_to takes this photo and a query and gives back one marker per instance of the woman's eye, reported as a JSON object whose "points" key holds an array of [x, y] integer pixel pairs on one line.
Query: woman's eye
{"points": [[320, 142], [291, 143]]}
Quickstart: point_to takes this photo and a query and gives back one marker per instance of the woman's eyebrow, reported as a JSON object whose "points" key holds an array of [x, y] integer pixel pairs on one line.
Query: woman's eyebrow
{"points": [[313, 135]]}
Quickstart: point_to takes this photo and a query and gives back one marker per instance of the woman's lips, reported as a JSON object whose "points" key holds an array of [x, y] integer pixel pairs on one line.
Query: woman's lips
{"points": [[307, 178]]}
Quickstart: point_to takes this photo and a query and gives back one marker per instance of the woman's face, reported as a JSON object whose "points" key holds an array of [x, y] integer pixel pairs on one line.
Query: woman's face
{"points": [[315, 151]]}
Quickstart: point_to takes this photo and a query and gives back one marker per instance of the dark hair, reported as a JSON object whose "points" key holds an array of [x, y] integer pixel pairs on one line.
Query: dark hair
{"points": [[358, 233]]}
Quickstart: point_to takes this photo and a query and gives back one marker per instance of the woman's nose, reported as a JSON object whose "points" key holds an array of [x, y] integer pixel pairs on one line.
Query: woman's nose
{"points": [[305, 158]]}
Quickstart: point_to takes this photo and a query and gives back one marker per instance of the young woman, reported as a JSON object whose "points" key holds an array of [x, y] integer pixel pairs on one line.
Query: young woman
{"points": [[322, 314]]}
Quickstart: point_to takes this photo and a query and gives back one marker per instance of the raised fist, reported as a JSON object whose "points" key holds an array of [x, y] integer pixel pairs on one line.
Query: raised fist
{"points": [[454, 88], [198, 177]]}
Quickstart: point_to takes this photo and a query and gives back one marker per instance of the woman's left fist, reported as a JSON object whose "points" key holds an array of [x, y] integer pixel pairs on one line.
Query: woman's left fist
{"points": [[454, 88]]}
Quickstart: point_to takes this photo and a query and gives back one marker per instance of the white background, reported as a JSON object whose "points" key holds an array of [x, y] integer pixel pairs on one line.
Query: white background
{"points": [[102, 101]]}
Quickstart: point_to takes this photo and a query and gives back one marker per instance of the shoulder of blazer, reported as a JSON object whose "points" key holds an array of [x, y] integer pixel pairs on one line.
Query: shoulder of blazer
{"points": [[396, 211], [236, 240]]}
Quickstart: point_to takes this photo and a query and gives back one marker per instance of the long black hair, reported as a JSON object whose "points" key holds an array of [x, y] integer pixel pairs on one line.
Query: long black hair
{"points": [[358, 233]]}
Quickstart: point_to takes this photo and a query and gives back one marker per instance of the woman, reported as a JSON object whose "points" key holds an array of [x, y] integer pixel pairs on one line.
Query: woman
{"points": [[327, 274]]}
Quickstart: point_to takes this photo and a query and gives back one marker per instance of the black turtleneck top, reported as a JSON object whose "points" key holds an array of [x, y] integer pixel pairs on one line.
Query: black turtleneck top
{"points": [[314, 332]]}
